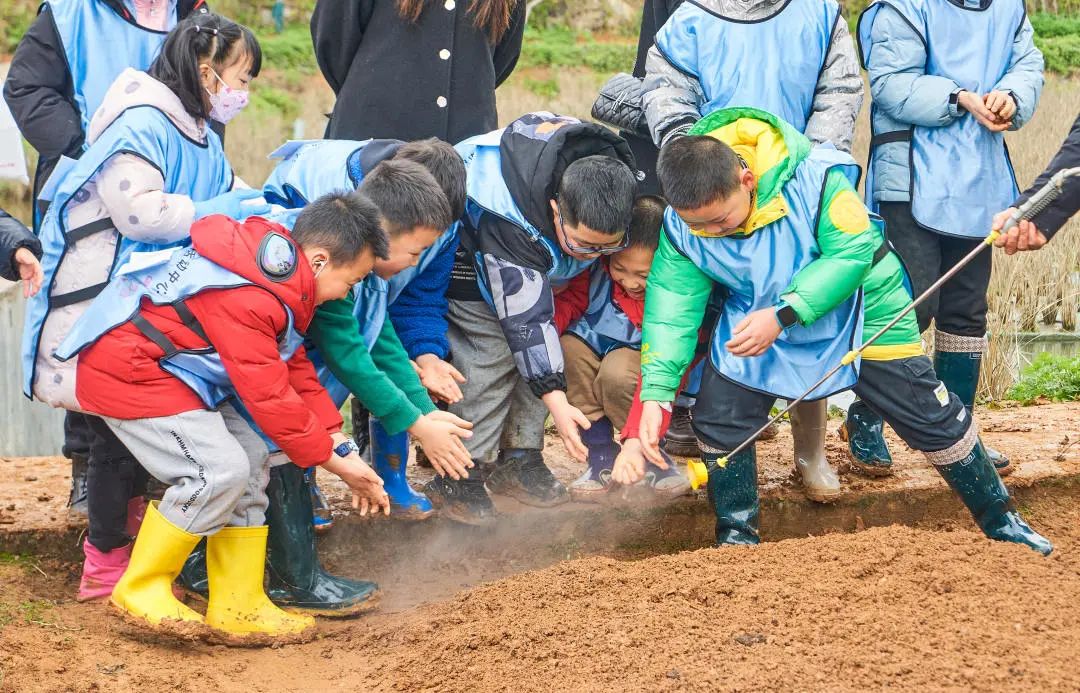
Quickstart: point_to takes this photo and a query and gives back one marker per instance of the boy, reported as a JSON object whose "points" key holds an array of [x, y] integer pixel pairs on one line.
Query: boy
{"points": [[547, 196], [755, 208], [938, 169], [599, 317], [223, 318]]}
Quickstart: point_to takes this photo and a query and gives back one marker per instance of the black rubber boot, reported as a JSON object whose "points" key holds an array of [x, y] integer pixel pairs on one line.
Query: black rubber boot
{"points": [[463, 500], [733, 494], [522, 475], [864, 430], [680, 439], [296, 580], [959, 370]]}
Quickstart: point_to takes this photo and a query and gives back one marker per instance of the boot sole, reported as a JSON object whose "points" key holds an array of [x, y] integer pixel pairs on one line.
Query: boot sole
{"points": [[220, 637], [366, 606], [822, 497], [450, 512], [588, 496], [173, 630], [410, 514], [861, 467]]}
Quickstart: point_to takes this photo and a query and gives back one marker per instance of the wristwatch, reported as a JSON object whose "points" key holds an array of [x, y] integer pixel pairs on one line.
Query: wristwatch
{"points": [[347, 448], [786, 316]]}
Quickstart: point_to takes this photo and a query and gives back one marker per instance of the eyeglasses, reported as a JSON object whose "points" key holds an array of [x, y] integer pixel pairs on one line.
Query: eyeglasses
{"points": [[589, 250]]}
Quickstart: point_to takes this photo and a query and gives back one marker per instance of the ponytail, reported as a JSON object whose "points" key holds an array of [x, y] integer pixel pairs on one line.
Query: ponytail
{"points": [[203, 38]]}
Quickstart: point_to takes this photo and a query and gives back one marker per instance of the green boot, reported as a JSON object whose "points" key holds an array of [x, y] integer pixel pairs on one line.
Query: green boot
{"points": [[957, 362], [297, 581], [734, 496], [863, 429], [974, 479]]}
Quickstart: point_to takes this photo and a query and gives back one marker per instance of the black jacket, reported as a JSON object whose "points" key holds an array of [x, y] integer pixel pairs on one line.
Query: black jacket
{"points": [[13, 235], [1051, 219], [391, 78], [40, 93]]}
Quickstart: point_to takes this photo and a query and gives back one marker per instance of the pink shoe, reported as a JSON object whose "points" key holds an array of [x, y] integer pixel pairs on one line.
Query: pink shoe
{"points": [[136, 510], [101, 571]]}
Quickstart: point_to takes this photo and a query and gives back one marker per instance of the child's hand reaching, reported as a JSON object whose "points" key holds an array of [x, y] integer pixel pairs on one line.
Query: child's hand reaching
{"points": [[652, 418], [440, 378], [365, 484], [439, 434], [755, 333], [568, 421], [30, 271], [630, 464]]}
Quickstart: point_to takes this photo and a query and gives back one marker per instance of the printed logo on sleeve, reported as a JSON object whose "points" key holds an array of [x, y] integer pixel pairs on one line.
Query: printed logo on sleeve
{"points": [[277, 257], [942, 394]]}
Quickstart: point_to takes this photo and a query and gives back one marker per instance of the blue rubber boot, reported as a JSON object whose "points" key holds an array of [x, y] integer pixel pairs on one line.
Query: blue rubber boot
{"points": [[863, 429], [389, 457], [322, 517], [975, 480], [666, 483], [595, 482], [734, 496], [959, 370]]}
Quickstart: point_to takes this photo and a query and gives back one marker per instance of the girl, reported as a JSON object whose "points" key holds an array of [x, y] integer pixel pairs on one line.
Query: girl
{"points": [[151, 168]]}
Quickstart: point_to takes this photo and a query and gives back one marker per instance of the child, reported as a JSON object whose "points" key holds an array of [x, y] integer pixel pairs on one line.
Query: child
{"points": [[152, 167], [755, 208], [19, 253], [599, 316], [164, 347], [546, 197], [939, 169]]}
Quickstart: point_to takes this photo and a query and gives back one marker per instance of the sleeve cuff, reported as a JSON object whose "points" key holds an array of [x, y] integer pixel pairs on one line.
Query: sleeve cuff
{"points": [[549, 383], [656, 393], [440, 349], [400, 418], [801, 307], [677, 130], [954, 103]]}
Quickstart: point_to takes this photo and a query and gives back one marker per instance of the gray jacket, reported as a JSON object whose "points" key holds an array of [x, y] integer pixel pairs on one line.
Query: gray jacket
{"points": [[673, 98]]}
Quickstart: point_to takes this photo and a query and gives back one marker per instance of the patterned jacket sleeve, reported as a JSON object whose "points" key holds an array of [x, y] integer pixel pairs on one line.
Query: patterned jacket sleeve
{"points": [[839, 93], [672, 96]]}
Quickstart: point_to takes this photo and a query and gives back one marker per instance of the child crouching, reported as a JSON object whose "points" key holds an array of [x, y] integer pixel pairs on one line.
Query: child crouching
{"points": [[160, 353]]}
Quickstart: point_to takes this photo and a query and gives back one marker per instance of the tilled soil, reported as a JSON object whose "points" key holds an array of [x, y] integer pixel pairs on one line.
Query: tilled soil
{"points": [[888, 607]]}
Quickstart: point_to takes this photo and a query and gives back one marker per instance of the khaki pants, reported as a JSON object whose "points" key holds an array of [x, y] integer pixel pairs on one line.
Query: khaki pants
{"points": [[601, 386]]}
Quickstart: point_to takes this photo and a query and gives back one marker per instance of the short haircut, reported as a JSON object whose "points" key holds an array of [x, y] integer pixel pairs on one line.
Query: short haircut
{"points": [[598, 191], [345, 224], [444, 163], [407, 197], [646, 221], [697, 171]]}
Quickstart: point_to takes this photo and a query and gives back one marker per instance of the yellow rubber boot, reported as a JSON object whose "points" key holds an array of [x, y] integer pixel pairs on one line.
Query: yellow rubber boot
{"points": [[238, 606], [145, 590]]}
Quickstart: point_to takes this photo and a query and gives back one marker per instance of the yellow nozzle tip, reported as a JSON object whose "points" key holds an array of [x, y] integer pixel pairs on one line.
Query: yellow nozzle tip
{"points": [[698, 474], [849, 358], [992, 237]]}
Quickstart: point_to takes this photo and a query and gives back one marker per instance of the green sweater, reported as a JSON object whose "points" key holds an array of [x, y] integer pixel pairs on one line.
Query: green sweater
{"points": [[383, 379]]}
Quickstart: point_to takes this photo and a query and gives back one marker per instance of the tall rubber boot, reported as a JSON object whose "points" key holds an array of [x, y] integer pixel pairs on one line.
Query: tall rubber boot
{"points": [[296, 579], [591, 486], [808, 428], [975, 480], [462, 500], [390, 457], [522, 475], [145, 590], [957, 362], [864, 431], [733, 494], [103, 569], [238, 606]]}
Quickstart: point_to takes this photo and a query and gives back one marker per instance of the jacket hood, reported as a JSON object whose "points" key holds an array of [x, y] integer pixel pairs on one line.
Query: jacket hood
{"points": [[535, 151], [137, 88], [263, 253]]}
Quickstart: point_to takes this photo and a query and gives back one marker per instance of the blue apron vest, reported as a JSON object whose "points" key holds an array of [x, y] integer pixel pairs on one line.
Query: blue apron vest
{"points": [[310, 169], [190, 168], [730, 57], [488, 194], [173, 278], [960, 173], [758, 268], [604, 326]]}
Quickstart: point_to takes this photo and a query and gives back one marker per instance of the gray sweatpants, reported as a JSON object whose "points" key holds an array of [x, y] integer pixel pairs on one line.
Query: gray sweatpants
{"points": [[216, 465], [497, 400]]}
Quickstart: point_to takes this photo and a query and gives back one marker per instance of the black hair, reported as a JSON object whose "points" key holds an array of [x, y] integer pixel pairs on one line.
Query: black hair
{"points": [[442, 161], [202, 38], [344, 224], [645, 224], [696, 171], [598, 191], [408, 196]]}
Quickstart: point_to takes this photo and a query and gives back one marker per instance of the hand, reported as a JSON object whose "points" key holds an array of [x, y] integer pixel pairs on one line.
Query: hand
{"points": [[630, 464], [755, 333], [238, 204], [568, 420], [440, 378], [1001, 104], [366, 486], [30, 271], [652, 417], [974, 105], [439, 434], [1022, 237]]}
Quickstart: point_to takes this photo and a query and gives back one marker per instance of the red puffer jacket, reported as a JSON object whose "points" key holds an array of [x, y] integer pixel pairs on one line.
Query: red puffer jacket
{"points": [[119, 376]]}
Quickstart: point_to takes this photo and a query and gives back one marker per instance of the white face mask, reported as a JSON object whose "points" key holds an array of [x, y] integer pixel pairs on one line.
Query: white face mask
{"points": [[227, 103]]}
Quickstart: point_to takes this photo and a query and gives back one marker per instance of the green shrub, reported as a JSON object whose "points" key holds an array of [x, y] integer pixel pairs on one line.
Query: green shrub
{"points": [[544, 88], [560, 46], [1062, 53], [1050, 376], [290, 51]]}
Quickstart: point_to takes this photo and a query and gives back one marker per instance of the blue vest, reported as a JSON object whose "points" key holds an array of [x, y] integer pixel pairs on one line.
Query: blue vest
{"points": [[758, 268], [604, 326], [172, 278], [488, 194], [772, 63], [98, 45], [190, 168], [960, 173], [310, 169]]}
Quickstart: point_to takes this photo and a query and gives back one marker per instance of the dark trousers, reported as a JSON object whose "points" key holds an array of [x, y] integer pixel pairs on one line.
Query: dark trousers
{"points": [[905, 392], [114, 477], [645, 156], [959, 307]]}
